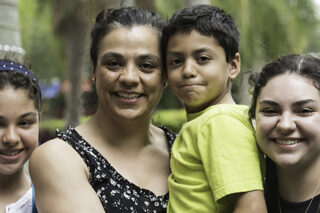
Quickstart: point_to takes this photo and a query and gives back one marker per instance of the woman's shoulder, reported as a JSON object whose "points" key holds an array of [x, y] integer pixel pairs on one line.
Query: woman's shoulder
{"points": [[54, 147], [55, 155]]}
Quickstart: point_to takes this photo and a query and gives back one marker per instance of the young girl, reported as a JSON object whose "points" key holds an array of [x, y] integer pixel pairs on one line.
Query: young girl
{"points": [[286, 106], [19, 130]]}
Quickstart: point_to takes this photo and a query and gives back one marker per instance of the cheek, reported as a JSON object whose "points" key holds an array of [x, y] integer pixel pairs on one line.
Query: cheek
{"points": [[152, 81], [172, 77], [264, 126], [30, 138]]}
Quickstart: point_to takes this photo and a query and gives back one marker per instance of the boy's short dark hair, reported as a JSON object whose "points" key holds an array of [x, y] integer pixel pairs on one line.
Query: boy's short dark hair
{"points": [[207, 20]]}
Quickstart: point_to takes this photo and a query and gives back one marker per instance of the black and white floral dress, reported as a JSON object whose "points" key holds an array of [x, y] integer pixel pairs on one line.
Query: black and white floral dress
{"points": [[116, 193]]}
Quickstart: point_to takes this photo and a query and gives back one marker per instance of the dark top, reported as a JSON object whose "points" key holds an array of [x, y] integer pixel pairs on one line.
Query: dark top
{"points": [[289, 207], [116, 193]]}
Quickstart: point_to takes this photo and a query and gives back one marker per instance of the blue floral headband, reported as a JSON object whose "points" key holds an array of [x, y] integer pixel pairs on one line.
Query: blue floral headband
{"points": [[12, 66]]}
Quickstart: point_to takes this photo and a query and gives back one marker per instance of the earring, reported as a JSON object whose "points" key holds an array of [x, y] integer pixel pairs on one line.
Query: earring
{"points": [[93, 80]]}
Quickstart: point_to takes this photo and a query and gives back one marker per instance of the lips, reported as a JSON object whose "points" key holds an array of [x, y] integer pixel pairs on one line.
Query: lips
{"points": [[10, 152], [287, 141], [128, 95]]}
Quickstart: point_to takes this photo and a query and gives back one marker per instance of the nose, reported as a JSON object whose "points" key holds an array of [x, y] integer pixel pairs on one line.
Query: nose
{"points": [[188, 69], [130, 76], [10, 136], [286, 123]]}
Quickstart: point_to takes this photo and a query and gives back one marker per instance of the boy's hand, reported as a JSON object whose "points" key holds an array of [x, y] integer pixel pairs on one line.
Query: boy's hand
{"points": [[246, 202]]}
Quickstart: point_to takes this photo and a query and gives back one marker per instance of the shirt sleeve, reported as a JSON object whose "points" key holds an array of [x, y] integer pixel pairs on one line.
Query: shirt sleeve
{"points": [[230, 156]]}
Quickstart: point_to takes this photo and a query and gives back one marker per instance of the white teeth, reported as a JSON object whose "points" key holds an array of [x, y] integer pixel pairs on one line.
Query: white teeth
{"points": [[128, 95], [287, 142], [8, 153]]}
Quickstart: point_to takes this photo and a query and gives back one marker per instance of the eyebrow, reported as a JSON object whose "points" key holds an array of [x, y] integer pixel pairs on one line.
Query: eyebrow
{"points": [[201, 50], [298, 103], [302, 102], [195, 52], [33, 114], [117, 55], [270, 102], [111, 54], [29, 114], [149, 56]]}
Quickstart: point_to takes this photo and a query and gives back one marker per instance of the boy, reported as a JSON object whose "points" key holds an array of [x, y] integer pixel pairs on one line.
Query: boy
{"points": [[215, 161]]}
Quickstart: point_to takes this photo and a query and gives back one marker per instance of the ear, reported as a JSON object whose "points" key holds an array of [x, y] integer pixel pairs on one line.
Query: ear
{"points": [[234, 67]]}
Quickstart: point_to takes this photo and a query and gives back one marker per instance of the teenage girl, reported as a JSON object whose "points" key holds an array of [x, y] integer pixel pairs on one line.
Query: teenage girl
{"points": [[286, 106]]}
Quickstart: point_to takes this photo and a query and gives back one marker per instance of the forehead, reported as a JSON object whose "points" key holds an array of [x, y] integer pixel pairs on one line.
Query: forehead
{"points": [[144, 39], [289, 87], [192, 40], [15, 100]]}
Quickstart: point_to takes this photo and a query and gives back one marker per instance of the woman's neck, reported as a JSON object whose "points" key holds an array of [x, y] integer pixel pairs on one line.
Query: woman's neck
{"points": [[296, 185], [121, 134]]}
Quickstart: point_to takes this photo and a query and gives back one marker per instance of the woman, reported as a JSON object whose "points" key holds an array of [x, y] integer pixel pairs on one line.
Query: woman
{"points": [[19, 131], [286, 106], [117, 161]]}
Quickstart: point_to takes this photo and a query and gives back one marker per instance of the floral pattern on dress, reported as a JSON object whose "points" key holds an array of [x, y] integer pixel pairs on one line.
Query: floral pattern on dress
{"points": [[117, 194]]}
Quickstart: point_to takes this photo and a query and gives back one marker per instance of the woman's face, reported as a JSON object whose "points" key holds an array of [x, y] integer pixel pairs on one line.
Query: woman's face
{"points": [[19, 129], [288, 121], [128, 72]]}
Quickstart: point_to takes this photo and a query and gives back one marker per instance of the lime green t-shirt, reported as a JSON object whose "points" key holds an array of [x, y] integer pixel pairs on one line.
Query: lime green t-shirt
{"points": [[214, 155]]}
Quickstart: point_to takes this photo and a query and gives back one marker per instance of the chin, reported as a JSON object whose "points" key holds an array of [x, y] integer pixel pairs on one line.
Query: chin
{"points": [[11, 170], [287, 163], [131, 114]]}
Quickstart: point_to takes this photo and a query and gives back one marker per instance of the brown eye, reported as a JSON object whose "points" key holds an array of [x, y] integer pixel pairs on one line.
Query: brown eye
{"points": [[305, 112], [113, 64], [26, 123], [146, 67], [203, 59], [175, 61], [269, 112]]}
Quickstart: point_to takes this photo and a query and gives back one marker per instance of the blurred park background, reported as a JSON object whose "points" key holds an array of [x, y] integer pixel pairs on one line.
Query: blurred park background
{"points": [[55, 37]]}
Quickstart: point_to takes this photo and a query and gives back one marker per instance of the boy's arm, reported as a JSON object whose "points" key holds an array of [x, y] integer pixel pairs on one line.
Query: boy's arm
{"points": [[247, 202], [231, 162]]}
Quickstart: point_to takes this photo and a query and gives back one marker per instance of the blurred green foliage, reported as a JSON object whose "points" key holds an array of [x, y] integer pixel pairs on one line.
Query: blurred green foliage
{"points": [[268, 29], [43, 49], [172, 119]]}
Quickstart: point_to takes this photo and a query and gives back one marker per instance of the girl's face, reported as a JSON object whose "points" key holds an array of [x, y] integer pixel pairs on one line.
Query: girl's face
{"points": [[19, 129], [128, 72], [288, 121]]}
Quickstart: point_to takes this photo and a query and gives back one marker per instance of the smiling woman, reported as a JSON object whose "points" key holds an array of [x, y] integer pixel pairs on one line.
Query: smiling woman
{"points": [[117, 161], [286, 106]]}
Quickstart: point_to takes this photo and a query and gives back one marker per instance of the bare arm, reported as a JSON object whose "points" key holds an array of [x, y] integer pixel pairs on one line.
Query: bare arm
{"points": [[60, 179], [247, 202]]}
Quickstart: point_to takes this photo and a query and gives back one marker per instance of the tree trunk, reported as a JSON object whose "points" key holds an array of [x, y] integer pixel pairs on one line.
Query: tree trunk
{"points": [[146, 4], [77, 63], [189, 3], [10, 38], [71, 22]]}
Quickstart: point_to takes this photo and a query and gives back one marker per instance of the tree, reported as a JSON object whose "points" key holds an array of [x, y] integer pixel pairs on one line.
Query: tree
{"points": [[9, 26], [146, 4], [189, 3], [269, 29]]}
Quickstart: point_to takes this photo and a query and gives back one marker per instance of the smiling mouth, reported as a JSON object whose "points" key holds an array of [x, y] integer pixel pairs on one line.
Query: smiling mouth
{"points": [[10, 153], [287, 141], [128, 96]]}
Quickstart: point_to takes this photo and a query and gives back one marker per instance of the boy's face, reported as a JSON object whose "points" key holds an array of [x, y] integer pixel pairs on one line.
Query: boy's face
{"points": [[198, 72]]}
